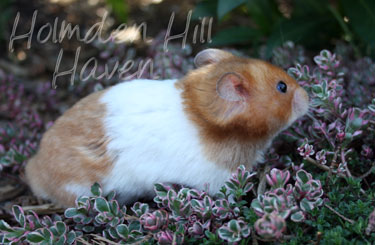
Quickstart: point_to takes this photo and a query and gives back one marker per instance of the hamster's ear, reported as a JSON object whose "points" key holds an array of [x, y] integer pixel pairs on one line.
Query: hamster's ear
{"points": [[209, 56], [231, 87]]}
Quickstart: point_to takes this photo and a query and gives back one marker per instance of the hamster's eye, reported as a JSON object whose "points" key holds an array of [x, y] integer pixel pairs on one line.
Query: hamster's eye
{"points": [[281, 86]]}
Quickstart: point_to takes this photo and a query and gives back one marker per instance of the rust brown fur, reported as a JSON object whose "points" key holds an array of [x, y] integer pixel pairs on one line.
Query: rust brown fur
{"points": [[75, 150]]}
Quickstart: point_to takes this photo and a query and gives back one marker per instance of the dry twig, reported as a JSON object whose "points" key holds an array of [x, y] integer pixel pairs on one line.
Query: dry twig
{"points": [[263, 180], [48, 208], [103, 239], [338, 214], [368, 172]]}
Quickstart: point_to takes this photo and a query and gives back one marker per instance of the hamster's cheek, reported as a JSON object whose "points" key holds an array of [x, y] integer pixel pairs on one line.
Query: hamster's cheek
{"points": [[300, 103]]}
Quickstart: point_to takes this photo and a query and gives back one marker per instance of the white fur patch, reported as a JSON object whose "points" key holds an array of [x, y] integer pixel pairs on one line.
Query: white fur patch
{"points": [[78, 189], [153, 141]]}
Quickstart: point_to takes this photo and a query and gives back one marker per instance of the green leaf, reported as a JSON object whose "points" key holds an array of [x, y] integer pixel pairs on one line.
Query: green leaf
{"points": [[4, 226], [96, 190], [140, 208], [291, 30], [34, 237], [114, 222], [86, 220], [245, 232], [123, 231], [306, 205], [309, 24], [113, 233], [18, 232], [211, 236], [111, 195], [235, 35], [47, 234], [19, 215], [264, 13], [61, 227], [257, 206], [88, 229], [71, 237], [205, 8], [225, 233], [71, 212], [61, 241], [361, 16], [160, 190], [120, 9], [302, 176], [297, 216], [233, 225], [225, 6], [135, 226], [101, 205], [115, 207]]}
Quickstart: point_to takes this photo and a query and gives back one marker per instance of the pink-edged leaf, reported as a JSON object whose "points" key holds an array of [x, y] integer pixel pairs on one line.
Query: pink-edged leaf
{"points": [[35, 237], [297, 216], [101, 205]]}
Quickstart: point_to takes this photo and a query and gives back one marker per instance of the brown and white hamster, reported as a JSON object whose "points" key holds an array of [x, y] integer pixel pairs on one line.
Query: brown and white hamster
{"points": [[191, 131]]}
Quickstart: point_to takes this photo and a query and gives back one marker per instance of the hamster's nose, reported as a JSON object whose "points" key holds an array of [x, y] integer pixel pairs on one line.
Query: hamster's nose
{"points": [[300, 102]]}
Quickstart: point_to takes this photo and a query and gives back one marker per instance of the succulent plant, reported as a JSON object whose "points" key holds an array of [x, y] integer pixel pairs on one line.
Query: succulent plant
{"points": [[320, 180], [270, 226]]}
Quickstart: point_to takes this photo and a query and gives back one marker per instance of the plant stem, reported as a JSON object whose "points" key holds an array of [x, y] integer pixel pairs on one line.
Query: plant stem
{"points": [[263, 180], [325, 168], [368, 172], [338, 214], [343, 161]]}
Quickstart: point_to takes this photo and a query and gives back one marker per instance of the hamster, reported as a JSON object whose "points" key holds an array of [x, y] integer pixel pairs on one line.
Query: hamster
{"points": [[193, 131]]}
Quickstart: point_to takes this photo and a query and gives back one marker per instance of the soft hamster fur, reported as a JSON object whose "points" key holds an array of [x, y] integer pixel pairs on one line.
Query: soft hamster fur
{"points": [[193, 131]]}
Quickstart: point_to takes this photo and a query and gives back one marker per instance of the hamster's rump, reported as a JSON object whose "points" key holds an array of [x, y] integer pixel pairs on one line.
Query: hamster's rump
{"points": [[73, 150]]}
